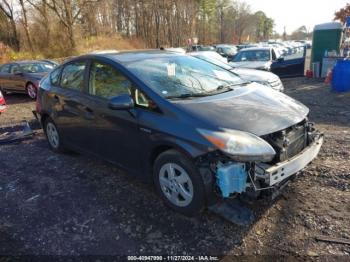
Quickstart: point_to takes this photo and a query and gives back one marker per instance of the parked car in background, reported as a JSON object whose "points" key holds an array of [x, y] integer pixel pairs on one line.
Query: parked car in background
{"points": [[227, 51], [256, 58], [49, 61], [199, 132], [3, 106], [242, 46], [201, 48], [269, 59], [265, 78], [23, 76]]}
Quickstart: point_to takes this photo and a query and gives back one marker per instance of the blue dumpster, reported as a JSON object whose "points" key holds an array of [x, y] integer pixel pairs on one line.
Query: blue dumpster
{"points": [[341, 76]]}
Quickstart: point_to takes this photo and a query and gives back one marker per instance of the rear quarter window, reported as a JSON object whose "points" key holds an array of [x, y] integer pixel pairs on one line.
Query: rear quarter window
{"points": [[72, 76]]}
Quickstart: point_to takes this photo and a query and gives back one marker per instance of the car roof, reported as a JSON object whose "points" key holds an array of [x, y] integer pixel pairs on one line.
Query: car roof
{"points": [[201, 53], [257, 48], [25, 62], [132, 56], [225, 45]]}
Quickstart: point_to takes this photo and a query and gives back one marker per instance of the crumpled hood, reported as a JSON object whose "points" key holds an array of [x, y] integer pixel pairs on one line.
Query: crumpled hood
{"points": [[255, 75], [251, 64], [251, 109]]}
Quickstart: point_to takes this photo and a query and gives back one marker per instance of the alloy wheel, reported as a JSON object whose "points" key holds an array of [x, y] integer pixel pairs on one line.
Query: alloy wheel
{"points": [[176, 184], [52, 135], [31, 90]]}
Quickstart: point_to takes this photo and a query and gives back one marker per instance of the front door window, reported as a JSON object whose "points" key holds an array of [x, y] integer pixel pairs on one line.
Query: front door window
{"points": [[107, 82]]}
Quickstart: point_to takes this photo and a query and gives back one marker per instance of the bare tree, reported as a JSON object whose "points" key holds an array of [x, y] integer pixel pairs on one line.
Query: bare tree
{"points": [[25, 24], [68, 12], [41, 8], [6, 7], [53, 26]]}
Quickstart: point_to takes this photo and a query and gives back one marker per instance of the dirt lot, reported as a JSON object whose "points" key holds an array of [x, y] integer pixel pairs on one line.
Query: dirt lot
{"points": [[73, 204]]}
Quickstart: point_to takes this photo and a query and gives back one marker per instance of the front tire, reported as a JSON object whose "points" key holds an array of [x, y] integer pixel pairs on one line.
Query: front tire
{"points": [[179, 183], [53, 136]]}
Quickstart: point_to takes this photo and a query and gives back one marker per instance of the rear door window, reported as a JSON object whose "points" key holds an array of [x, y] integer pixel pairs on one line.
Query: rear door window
{"points": [[107, 82], [73, 75]]}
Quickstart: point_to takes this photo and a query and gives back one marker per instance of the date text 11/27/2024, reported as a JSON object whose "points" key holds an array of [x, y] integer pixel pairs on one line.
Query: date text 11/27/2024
{"points": [[173, 258]]}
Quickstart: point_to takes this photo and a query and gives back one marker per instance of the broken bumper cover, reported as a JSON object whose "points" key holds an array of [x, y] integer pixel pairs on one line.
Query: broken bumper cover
{"points": [[281, 171]]}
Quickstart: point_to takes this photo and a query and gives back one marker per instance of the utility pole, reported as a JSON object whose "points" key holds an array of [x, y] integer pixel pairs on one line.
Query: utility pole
{"points": [[284, 34]]}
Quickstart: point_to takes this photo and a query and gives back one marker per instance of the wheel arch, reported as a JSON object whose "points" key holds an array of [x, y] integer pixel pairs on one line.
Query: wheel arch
{"points": [[29, 82], [43, 118], [182, 147]]}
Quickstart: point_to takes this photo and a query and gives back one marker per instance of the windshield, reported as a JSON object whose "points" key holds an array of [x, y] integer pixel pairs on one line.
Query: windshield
{"points": [[229, 50], [180, 76], [36, 67], [253, 55]]}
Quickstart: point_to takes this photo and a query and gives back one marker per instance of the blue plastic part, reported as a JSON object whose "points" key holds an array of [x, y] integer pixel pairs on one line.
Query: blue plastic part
{"points": [[348, 21], [232, 179], [341, 76]]}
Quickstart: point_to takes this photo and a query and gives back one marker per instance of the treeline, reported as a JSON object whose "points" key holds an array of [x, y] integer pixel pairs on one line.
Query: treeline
{"points": [[54, 27]]}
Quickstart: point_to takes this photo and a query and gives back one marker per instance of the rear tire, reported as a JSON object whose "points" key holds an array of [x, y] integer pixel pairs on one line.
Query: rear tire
{"points": [[31, 91], [53, 136], [178, 182]]}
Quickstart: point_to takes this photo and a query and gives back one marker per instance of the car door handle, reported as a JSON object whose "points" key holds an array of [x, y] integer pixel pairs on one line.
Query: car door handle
{"points": [[89, 113], [89, 110]]}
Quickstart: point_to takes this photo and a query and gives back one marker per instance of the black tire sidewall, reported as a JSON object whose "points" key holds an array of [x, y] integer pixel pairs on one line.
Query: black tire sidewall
{"points": [[198, 202]]}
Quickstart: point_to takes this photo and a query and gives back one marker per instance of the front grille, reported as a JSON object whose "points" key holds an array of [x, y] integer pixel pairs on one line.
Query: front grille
{"points": [[288, 142]]}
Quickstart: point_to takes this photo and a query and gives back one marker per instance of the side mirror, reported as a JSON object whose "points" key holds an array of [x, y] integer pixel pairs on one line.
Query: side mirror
{"points": [[280, 59], [122, 102]]}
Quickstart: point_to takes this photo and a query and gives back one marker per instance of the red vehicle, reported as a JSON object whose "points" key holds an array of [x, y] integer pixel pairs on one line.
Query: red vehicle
{"points": [[2, 103]]}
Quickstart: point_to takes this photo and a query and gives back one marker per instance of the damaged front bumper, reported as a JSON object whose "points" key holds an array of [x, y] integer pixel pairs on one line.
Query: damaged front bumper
{"points": [[281, 171], [251, 178]]}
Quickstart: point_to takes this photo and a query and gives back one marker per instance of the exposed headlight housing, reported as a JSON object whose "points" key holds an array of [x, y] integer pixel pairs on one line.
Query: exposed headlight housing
{"points": [[241, 146]]}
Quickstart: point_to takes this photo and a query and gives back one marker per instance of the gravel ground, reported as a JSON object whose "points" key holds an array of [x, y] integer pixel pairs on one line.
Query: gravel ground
{"points": [[72, 204]]}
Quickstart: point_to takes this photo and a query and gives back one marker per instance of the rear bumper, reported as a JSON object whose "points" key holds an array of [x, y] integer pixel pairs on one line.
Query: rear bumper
{"points": [[283, 170]]}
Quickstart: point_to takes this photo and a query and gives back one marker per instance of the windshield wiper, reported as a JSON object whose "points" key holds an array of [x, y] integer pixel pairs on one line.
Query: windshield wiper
{"points": [[187, 95], [216, 91]]}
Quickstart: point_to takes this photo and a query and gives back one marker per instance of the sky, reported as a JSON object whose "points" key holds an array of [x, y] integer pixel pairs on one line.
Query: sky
{"points": [[295, 13]]}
